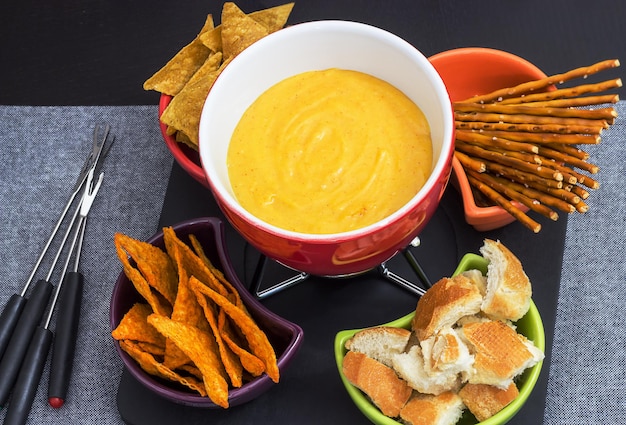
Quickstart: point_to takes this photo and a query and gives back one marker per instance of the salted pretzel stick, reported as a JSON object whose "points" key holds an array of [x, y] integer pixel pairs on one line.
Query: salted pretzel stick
{"points": [[566, 195], [542, 138], [523, 177], [505, 204], [542, 197], [517, 164], [487, 140], [582, 207], [607, 114], [566, 92], [579, 191], [570, 102], [527, 119], [529, 128], [570, 150], [542, 83], [549, 153], [470, 163], [501, 186]]}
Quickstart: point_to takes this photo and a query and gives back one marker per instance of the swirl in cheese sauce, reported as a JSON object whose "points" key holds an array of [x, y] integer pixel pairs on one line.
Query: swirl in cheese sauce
{"points": [[328, 152]]}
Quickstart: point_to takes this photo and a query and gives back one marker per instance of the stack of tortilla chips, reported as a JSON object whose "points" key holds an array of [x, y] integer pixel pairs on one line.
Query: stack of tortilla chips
{"points": [[190, 74], [193, 328]]}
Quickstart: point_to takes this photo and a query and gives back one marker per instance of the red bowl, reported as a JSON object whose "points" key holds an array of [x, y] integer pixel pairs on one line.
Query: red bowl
{"points": [[323, 45], [473, 71], [186, 157]]}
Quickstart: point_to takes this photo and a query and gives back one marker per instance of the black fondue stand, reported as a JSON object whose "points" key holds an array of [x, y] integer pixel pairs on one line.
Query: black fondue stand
{"points": [[99, 53]]}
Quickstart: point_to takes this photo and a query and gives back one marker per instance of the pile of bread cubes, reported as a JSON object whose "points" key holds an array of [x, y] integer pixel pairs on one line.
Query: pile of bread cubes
{"points": [[462, 352]]}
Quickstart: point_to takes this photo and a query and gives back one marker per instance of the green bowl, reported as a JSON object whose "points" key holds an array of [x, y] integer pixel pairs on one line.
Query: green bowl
{"points": [[530, 326]]}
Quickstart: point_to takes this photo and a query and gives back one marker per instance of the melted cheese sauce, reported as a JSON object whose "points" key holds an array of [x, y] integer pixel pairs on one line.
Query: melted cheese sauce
{"points": [[328, 152]]}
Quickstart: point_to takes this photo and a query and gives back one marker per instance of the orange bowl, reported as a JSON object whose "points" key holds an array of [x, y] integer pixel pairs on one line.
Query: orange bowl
{"points": [[471, 71]]}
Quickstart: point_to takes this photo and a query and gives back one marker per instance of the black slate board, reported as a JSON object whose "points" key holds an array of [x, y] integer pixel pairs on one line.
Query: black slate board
{"points": [[310, 391]]}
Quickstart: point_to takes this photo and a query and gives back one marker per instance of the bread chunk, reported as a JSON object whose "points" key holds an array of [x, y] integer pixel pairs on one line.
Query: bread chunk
{"points": [[445, 352], [500, 353], [444, 304], [424, 409], [410, 367], [380, 343], [484, 401], [379, 382], [508, 288]]}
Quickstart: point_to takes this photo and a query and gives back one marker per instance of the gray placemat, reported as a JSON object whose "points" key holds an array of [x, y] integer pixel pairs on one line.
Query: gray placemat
{"points": [[41, 152], [42, 149], [586, 383]]}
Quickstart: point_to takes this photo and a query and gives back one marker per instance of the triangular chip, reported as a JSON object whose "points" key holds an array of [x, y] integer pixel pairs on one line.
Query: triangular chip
{"points": [[149, 364], [256, 338], [249, 361], [173, 76], [213, 39], [273, 18], [233, 293], [190, 260], [154, 276], [233, 366], [199, 346], [134, 326], [238, 30]]}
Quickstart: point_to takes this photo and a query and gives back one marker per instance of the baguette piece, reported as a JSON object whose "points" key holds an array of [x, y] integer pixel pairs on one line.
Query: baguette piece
{"points": [[410, 367], [425, 409], [380, 343], [484, 401], [379, 382], [444, 304], [500, 353], [508, 287], [445, 352]]}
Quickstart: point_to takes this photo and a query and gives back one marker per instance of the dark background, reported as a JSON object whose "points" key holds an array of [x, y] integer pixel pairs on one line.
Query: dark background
{"points": [[100, 53]]}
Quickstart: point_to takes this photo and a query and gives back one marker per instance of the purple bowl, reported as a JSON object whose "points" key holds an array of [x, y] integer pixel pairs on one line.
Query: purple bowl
{"points": [[285, 337]]}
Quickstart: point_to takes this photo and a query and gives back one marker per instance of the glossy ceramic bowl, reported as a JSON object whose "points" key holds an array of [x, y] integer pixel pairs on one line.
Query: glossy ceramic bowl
{"points": [[530, 325], [473, 71], [315, 46], [285, 337], [186, 157]]}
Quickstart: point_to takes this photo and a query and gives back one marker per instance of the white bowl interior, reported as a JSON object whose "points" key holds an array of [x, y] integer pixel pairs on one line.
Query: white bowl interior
{"points": [[320, 45]]}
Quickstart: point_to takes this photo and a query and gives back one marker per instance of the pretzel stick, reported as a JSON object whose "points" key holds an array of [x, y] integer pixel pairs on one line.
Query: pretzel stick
{"points": [[566, 92], [569, 150], [542, 83], [529, 128], [567, 159], [486, 139], [607, 114], [541, 138], [493, 156], [470, 163], [505, 204], [579, 191], [566, 195], [571, 102], [523, 177], [543, 197], [501, 185], [582, 207], [527, 119]]}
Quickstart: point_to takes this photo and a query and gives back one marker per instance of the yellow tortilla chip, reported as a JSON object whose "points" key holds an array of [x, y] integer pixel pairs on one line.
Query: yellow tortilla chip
{"points": [[173, 76], [199, 346], [256, 338], [183, 112], [213, 39], [154, 276], [238, 30], [134, 326], [149, 364], [273, 18], [212, 64]]}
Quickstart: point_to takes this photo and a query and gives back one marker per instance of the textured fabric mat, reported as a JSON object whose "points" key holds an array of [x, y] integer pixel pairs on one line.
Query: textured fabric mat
{"points": [[43, 148]]}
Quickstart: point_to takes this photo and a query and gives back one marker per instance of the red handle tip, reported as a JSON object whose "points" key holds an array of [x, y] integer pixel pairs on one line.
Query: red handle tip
{"points": [[56, 402]]}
